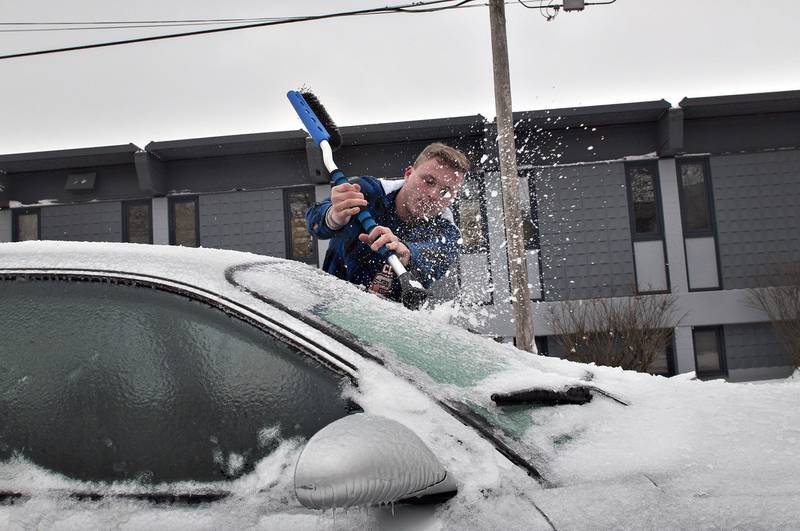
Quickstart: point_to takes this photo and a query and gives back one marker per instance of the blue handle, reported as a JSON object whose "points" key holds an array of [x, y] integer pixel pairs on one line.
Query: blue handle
{"points": [[310, 120], [364, 217]]}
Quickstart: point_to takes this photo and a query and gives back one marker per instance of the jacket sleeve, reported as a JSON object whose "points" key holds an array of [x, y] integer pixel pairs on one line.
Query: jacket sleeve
{"points": [[432, 258], [315, 220], [315, 216]]}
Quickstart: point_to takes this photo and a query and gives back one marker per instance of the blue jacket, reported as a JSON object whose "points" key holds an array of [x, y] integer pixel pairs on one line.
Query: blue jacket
{"points": [[433, 243]]}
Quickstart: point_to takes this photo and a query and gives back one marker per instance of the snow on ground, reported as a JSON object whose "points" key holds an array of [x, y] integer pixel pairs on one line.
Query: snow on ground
{"points": [[684, 453]]}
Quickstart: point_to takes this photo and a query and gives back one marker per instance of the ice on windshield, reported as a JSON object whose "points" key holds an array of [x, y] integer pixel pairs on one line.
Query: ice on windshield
{"points": [[446, 361]]}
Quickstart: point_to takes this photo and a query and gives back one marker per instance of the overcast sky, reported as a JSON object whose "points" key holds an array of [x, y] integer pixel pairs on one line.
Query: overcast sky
{"points": [[370, 69]]}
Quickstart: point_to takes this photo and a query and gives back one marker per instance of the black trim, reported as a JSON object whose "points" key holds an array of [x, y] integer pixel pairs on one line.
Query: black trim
{"points": [[712, 217], [313, 258], [125, 206], [171, 210], [721, 351], [536, 244], [659, 235], [16, 212]]}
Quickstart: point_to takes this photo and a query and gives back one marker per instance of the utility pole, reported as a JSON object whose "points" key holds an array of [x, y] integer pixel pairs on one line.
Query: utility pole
{"points": [[517, 263]]}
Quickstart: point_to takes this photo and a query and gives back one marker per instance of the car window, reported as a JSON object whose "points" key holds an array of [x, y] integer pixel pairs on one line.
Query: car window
{"points": [[107, 381]]}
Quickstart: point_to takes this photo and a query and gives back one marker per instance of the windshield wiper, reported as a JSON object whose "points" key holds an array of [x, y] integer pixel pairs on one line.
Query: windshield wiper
{"points": [[544, 397], [576, 395]]}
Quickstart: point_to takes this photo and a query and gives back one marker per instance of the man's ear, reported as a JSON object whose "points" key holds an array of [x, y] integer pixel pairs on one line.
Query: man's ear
{"points": [[408, 171]]}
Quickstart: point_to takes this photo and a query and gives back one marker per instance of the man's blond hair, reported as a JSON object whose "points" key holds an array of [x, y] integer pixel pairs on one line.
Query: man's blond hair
{"points": [[446, 155]]}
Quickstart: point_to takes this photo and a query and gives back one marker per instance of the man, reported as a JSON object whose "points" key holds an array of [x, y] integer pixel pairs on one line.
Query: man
{"points": [[413, 219]]}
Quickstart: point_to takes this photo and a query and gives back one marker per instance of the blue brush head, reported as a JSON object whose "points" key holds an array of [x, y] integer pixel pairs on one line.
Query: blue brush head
{"points": [[315, 118]]}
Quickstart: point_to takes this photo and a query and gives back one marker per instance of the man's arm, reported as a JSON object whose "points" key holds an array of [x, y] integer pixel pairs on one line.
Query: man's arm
{"points": [[324, 219], [315, 220]]}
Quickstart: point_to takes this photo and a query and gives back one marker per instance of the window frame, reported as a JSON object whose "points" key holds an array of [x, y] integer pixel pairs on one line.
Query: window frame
{"points": [[712, 217], [313, 258], [660, 235], [723, 366], [16, 213], [536, 243], [125, 229], [650, 236], [171, 213], [712, 221]]}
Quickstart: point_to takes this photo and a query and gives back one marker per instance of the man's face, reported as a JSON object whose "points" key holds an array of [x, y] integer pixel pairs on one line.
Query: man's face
{"points": [[429, 188]]}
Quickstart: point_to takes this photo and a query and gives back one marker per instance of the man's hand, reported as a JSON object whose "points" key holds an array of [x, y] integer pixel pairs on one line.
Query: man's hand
{"points": [[381, 235], [346, 200]]}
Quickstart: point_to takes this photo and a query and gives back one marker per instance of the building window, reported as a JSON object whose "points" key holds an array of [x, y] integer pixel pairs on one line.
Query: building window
{"points": [[471, 218], [137, 221], [694, 187], [184, 222], [299, 243], [530, 220], [26, 225], [709, 352], [644, 200]]}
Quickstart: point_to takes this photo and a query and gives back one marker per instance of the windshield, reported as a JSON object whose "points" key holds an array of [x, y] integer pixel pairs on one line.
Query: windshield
{"points": [[449, 363]]}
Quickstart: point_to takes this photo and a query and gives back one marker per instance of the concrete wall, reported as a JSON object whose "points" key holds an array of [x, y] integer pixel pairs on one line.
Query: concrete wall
{"points": [[244, 221], [757, 203], [92, 222]]}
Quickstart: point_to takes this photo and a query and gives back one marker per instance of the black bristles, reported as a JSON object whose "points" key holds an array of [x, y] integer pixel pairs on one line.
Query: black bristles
{"points": [[325, 119]]}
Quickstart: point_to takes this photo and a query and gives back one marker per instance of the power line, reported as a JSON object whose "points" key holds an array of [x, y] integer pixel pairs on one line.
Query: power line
{"points": [[415, 7], [100, 22], [127, 26]]}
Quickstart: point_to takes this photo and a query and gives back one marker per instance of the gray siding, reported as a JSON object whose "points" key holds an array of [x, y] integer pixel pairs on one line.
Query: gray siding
{"points": [[754, 345], [91, 222], [585, 232], [244, 221], [757, 198], [5, 226]]}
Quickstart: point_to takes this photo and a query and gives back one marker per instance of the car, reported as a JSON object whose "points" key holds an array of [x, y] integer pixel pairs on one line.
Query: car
{"points": [[157, 386]]}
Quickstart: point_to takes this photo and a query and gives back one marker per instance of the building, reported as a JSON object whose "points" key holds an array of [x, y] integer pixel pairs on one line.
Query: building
{"points": [[701, 201]]}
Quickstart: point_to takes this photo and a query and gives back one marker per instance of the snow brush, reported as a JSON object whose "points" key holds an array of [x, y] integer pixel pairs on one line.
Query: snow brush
{"points": [[320, 126]]}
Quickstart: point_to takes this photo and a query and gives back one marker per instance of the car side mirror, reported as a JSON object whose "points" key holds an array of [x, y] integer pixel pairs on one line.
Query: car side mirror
{"points": [[363, 460]]}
